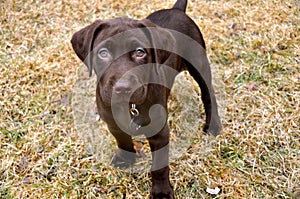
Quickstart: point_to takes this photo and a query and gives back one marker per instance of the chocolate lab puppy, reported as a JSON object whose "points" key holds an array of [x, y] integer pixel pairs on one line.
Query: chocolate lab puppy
{"points": [[136, 62]]}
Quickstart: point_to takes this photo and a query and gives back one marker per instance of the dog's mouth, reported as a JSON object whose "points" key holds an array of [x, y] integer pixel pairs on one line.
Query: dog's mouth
{"points": [[136, 97], [111, 97]]}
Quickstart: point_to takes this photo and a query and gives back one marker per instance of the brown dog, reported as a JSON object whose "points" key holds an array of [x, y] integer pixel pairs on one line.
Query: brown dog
{"points": [[136, 62]]}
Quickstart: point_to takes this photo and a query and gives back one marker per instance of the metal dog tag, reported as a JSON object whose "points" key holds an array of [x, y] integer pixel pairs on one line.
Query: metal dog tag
{"points": [[136, 121], [135, 124]]}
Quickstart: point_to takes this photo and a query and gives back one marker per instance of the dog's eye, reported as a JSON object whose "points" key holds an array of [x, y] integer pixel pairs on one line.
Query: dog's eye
{"points": [[140, 52], [103, 53]]}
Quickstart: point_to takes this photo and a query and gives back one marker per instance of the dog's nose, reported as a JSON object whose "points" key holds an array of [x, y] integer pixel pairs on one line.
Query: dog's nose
{"points": [[123, 87]]}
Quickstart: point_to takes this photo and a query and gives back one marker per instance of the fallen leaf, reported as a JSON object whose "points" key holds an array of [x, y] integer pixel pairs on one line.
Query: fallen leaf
{"points": [[138, 146], [252, 86], [214, 191]]}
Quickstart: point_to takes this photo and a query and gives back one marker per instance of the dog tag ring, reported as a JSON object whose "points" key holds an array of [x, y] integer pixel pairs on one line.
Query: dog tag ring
{"points": [[133, 110]]}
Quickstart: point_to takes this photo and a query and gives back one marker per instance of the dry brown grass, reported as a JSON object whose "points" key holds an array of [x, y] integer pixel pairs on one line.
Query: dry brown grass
{"points": [[254, 45]]}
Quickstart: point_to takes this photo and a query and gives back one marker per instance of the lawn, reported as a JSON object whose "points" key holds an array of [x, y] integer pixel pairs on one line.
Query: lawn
{"points": [[49, 148]]}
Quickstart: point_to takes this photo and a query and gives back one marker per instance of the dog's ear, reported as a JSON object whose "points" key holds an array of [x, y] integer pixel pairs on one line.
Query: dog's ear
{"points": [[83, 41], [162, 41]]}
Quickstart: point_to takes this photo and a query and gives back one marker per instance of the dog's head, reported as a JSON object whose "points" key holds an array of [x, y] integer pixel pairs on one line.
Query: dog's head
{"points": [[122, 53]]}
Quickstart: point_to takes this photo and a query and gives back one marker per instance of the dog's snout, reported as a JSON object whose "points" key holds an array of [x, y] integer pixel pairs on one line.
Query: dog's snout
{"points": [[123, 87]]}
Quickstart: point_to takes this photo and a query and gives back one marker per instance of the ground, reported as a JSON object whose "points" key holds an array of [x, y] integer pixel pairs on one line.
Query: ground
{"points": [[255, 54]]}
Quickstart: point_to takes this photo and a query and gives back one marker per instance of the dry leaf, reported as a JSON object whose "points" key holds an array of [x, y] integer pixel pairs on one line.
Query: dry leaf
{"points": [[214, 191], [252, 86], [138, 146]]}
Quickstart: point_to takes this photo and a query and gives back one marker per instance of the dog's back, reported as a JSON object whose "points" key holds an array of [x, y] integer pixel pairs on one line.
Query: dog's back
{"points": [[176, 19]]}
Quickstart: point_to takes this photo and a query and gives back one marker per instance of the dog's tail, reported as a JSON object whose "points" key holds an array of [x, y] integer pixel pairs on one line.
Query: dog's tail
{"points": [[181, 5]]}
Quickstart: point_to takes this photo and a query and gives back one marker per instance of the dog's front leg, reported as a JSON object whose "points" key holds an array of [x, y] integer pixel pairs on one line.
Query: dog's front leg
{"points": [[125, 155], [161, 186]]}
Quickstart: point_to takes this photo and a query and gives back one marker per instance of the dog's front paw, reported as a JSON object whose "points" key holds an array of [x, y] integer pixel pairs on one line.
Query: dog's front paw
{"points": [[166, 194], [161, 186], [123, 159]]}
